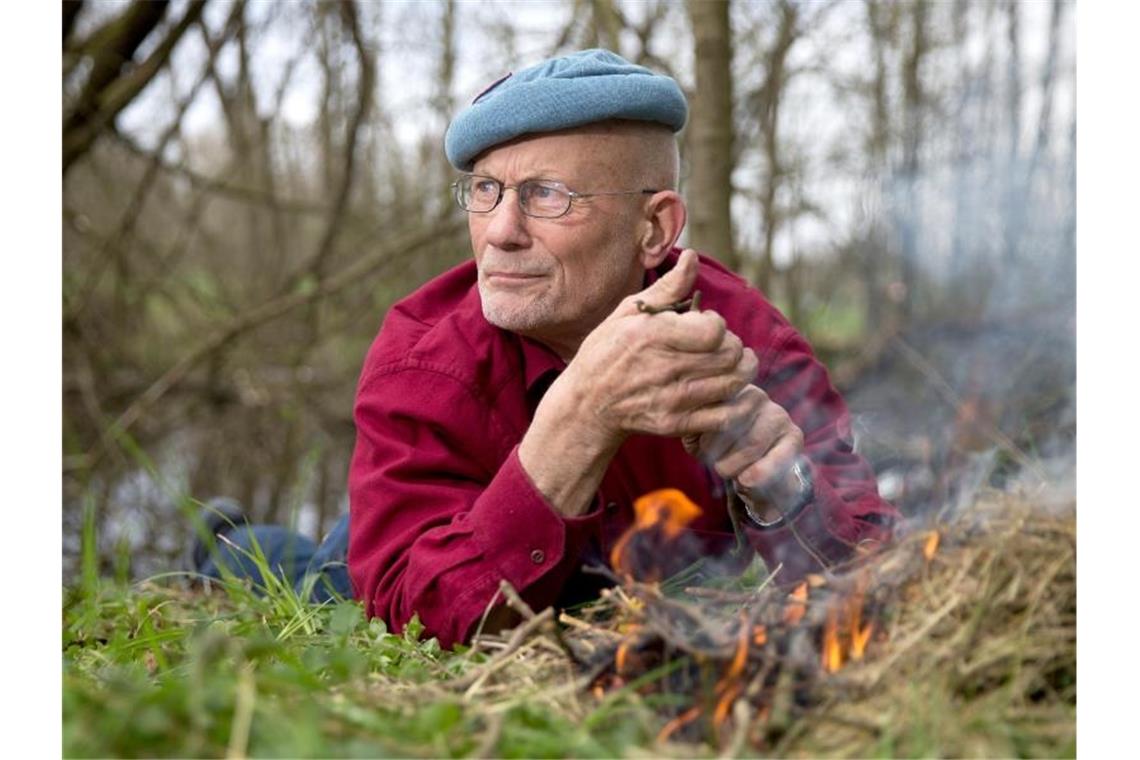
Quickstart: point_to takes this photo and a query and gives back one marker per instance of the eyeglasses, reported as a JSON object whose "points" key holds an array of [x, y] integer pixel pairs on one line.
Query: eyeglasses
{"points": [[540, 198]]}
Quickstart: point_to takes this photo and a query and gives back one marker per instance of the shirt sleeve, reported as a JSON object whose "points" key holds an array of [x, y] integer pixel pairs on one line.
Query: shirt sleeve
{"points": [[846, 509], [442, 510]]}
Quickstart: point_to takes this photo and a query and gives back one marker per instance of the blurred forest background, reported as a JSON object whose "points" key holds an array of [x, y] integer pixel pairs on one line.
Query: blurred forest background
{"points": [[247, 187]]}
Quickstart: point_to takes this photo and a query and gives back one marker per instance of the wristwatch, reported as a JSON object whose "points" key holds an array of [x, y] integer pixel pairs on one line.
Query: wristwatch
{"points": [[788, 506]]}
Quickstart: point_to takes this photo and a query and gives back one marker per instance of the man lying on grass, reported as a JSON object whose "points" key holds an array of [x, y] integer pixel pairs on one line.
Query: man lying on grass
{"points": [[511, 410]]}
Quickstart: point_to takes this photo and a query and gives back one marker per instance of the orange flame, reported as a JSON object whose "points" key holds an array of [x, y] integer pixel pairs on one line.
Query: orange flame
{"points": [[796, 606], [856, 631], [740, 658], [724, 704], [684, 718], [859, 641], [759, 635], [931, 545], [621, 658], [832, 652], [666, 509]]}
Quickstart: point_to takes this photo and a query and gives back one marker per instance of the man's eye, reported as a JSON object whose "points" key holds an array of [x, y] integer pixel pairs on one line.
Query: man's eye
{"points": [[542, 192], [485, 187]]}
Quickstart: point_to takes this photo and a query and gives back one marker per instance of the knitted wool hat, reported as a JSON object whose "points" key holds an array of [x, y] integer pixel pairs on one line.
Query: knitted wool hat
{"points": [[559, 93]]}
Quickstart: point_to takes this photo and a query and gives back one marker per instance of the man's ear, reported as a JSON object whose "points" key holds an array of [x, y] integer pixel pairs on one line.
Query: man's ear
{"points": [[660, 227]]}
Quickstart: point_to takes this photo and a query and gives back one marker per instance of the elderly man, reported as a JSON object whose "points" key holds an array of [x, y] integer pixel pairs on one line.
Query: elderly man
{"points": [[511, 410]]}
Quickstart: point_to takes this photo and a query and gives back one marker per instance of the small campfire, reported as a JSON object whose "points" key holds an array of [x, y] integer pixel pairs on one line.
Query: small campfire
{"points": [[726, 657], [738, 668]]}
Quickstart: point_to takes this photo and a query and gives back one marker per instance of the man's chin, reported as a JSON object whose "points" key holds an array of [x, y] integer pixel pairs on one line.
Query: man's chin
{"points": [[509, 314], [514, 320]]}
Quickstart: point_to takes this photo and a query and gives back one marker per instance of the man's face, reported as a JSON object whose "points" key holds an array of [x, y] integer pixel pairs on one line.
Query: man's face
{"points": [[556, 279]]}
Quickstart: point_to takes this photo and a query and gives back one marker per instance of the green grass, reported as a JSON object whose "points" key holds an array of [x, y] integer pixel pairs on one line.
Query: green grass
{"points": [[979, 662], [159, 669]]}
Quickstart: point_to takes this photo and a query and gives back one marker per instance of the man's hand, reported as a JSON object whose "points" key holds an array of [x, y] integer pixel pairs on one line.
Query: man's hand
{"points": [[756, 450], [664, 374]]}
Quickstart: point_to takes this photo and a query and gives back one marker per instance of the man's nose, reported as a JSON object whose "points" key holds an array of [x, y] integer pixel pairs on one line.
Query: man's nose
{"points": [[507, 224]]}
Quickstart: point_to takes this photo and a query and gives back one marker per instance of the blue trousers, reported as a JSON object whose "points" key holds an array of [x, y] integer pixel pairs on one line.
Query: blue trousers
{"points": [[290, 556]]}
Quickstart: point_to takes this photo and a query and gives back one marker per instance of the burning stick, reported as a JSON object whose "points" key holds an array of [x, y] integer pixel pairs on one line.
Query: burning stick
{"points": [[740, 658], [931, 545], [725, 703], [859, 641], [659, 516], [796, 606], [832, 654], [681, 720]]}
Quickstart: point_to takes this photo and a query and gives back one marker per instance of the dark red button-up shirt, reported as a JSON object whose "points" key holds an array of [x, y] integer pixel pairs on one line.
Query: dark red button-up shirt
{"points": [[442, 510]]}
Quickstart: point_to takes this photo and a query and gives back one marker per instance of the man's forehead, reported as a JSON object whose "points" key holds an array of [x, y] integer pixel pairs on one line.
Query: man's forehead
{"points": [[586, 150]]}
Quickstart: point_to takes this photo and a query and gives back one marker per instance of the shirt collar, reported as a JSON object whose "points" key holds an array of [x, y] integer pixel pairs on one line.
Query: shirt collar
{"points": [[537, 361]]}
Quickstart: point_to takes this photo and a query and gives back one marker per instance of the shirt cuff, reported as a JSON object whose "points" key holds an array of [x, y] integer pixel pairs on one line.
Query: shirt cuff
{"points": [[522, 534]]}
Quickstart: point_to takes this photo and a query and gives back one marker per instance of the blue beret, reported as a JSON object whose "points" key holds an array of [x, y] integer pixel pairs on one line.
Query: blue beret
{"points": [[577, 89]]}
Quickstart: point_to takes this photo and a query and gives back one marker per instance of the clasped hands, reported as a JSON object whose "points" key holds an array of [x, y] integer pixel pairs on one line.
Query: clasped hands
{"points": [[682, 375]]}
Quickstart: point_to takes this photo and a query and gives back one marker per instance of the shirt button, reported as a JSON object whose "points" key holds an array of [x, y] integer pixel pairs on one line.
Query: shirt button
{"points": [[611, 506], [538, 556]]}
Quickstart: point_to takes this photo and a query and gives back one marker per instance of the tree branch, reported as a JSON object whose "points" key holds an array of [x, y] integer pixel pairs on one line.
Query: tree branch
{"points": [[107, 92], [260, 315], [364, 103]]}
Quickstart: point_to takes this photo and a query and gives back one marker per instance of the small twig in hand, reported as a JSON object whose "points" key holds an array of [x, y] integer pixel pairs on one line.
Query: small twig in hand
{"points": [[689, 304]]}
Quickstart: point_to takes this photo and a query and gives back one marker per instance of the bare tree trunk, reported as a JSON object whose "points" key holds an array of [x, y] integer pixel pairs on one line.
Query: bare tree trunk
{"points": [[964, 138], [1048, 77], [607, 24], [913, 103], [771, 97], [711, 132], [1013, 190], [444, 102], [879, 142]]}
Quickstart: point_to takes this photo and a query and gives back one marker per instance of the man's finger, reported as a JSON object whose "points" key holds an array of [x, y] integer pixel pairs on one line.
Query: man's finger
{"points": [[671, 287], [763, 473]]}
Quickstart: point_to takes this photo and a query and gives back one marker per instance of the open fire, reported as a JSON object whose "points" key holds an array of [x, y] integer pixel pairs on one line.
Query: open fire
{"points": [[978, 614], [727, 656]]}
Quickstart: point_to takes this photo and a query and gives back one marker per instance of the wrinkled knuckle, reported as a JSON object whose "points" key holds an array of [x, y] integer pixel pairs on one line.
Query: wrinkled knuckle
{"points": [[734, 349], [753, 398], [723, 469], [749, 362], [713, 327], [735, 385]]}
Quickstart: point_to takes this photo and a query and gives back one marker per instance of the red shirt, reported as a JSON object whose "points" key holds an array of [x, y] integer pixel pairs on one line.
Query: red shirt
{"points": [[441, 508]]}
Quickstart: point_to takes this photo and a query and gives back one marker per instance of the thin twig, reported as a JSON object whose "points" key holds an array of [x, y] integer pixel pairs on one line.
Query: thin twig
{"points": [[500, 659], [515, 601]]}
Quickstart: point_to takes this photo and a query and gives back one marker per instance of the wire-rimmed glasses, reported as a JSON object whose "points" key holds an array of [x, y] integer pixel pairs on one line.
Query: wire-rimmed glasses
{"points": [[540, 198]]}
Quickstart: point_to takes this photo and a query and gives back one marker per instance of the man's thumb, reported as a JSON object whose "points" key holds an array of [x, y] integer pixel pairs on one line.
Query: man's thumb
{"points": [[675, 284]]}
